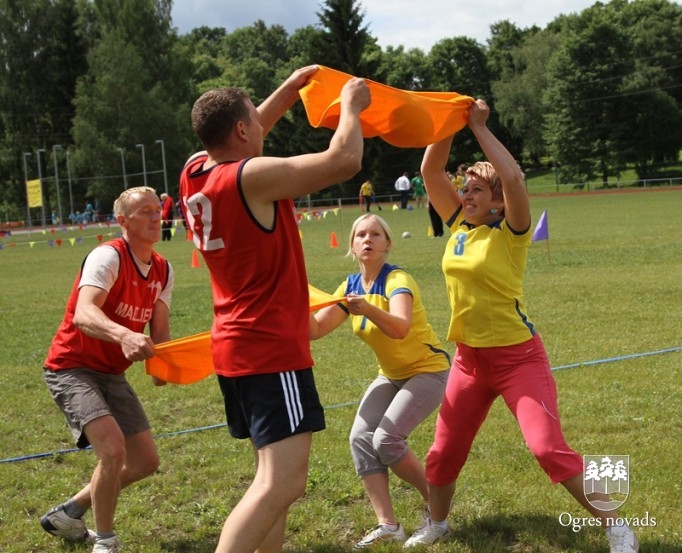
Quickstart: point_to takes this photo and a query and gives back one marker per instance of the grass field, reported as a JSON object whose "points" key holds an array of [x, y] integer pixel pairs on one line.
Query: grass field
{"points": [[604, 292]]}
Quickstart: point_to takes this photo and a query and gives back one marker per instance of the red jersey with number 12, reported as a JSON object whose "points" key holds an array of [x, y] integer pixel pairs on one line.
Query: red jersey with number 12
{"points": [[258, 276]]}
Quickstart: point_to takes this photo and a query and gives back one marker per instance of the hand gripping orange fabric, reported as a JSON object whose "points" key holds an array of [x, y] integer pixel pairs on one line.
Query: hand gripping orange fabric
{"points": [[403, 118], [188, 360]]}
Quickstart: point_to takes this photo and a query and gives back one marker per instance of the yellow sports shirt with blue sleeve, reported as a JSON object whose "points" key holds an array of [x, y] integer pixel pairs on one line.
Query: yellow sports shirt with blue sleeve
{"points": [[420, 351], [484, 267]]}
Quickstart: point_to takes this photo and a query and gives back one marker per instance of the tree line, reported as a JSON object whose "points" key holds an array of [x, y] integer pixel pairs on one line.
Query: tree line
{"points": [[99, 92]]}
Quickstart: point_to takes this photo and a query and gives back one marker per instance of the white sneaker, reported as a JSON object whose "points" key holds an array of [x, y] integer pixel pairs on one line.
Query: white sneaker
{"points": [[58, 523], [427, 534], [107, 545], [622, 539], [381, 533]]}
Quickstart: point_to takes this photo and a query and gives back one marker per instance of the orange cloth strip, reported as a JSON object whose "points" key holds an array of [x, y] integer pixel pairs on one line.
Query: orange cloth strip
{"points": [[403, 118], [188, 360]]}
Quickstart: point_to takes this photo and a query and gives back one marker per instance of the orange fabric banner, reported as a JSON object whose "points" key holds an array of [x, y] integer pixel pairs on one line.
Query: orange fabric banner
{"points": [[406, 119], [188, 360]]}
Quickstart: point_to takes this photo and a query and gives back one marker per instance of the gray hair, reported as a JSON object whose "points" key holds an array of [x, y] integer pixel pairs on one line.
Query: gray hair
{"points": [[122, 203]]}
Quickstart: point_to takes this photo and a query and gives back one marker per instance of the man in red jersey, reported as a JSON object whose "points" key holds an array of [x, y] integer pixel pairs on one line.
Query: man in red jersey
{"points": [[238, 205], [123, 285], [166, 217]]}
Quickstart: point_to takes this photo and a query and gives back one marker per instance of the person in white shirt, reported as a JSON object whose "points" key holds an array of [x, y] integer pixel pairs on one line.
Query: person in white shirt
{"points": [[402, 185]]}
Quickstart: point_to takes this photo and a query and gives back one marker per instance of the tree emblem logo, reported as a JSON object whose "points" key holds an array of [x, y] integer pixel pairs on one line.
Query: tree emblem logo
{"points": [[606, 480]]}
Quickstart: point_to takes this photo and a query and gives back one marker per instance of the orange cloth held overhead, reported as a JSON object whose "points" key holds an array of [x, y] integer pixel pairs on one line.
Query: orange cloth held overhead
{"points": [[188, 360], [403, 118]]}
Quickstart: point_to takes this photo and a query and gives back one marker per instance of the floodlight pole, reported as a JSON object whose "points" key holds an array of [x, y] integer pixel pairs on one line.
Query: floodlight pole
{"points": [[68, 172], [28, 207], [56, 180], [163, 160], [123, 165], [144, 163], [42, 196]]}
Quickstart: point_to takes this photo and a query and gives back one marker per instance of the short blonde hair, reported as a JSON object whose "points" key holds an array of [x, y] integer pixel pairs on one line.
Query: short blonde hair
{"points": [[122, 203], [353, 230], [484, 170]]}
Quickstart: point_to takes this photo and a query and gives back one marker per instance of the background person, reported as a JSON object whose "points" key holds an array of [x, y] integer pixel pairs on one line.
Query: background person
{"points": [[167, 217], [417, 184], [402, 185], [123, 286], [499, 353], [366, 195], [238, 205], [459, 178], [386, 311]]}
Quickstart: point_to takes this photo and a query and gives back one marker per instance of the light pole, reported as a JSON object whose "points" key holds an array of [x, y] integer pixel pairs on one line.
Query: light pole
{"points": [[56, 147], [28, 207], [144, 163], [163, 161], [68, 172], [123, 165], [42, 196]]}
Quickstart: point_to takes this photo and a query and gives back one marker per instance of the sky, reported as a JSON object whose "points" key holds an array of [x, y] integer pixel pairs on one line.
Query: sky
{"points": [[411, 23]]}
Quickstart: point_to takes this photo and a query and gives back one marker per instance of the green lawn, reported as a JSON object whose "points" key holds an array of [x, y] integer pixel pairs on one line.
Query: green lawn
{"points": [[604, 292], [547, 181]]}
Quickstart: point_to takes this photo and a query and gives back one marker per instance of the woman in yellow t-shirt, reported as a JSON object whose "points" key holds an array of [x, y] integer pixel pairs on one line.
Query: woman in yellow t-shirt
{"points": [[499, 353], [386, 311]]}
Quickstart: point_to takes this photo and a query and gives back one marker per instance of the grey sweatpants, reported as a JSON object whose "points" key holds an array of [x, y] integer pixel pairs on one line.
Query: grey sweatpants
{"points": [[389, 411]]}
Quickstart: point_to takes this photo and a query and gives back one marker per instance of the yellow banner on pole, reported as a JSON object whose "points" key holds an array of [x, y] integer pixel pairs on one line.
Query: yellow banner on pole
{"points": [[34, 192]]}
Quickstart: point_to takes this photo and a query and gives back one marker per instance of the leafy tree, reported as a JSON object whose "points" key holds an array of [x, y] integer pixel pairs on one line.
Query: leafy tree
{"points": [[519, 92], [585, 80], [255, 54], [202, 47], [258, 58], [596, 91], [345, 41], [404, 69], [459, 65], [657, 35], [648, 113], [615, 61], [204, 40], [653, 93], [302, 45], [135, 92], [109, 101], [505, 37], [40, 60]]}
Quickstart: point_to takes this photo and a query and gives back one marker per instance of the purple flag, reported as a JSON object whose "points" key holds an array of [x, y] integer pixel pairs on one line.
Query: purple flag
{"points": [[541, 231]]}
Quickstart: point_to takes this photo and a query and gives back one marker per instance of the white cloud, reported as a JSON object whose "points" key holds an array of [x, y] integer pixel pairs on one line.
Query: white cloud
{"points": [[411, 23]]}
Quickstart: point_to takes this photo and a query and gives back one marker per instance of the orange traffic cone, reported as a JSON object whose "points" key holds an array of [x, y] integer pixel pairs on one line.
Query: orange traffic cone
{"points": [[195, 260], [333, 243]]}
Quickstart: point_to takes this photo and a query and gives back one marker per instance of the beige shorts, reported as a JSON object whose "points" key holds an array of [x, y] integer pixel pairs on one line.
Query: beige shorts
{"points": [[84, 395]]}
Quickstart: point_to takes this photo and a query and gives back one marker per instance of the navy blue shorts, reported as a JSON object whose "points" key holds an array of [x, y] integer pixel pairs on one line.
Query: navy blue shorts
{"points": [[271, 407]]}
